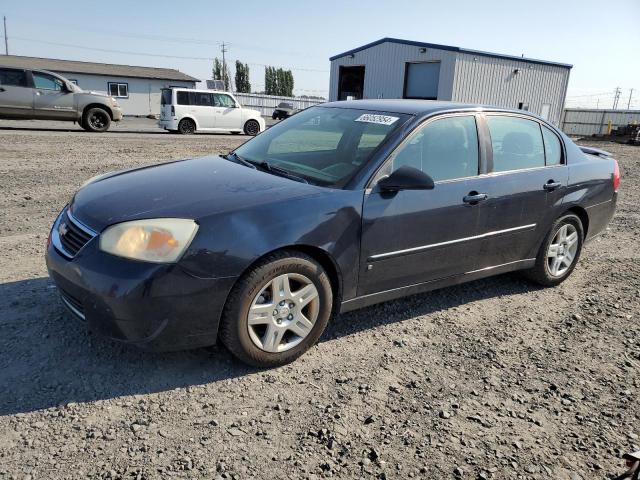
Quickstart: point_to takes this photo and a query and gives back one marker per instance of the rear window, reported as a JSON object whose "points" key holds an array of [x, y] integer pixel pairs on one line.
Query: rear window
{"points": [[14, 78], [165, 99], [183, 98]]}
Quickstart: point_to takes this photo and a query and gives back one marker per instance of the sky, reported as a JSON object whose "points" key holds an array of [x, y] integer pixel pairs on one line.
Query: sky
{"points": [[601, 39]]}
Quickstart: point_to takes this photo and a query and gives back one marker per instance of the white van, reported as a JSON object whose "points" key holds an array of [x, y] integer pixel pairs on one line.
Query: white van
{"points": [[188, 110]]}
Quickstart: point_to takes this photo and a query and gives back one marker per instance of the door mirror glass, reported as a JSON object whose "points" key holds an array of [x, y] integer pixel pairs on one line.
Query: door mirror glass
{"points": [[406, 178]]}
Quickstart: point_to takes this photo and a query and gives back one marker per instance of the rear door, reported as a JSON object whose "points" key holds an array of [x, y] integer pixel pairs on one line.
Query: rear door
{"points": [[16, 97], [51, 100], [525, 186], [228, 113], [417, 236], [166, 102]]}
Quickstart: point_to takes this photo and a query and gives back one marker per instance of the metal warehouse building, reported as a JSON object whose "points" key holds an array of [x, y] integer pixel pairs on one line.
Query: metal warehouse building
{"points": [[136, 88], [393, 68]]}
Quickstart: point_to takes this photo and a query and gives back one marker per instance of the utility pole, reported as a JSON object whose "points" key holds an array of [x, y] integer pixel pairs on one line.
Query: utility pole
{"points": [[629, 103], [6, 41], [225, 78], [616, 98]]}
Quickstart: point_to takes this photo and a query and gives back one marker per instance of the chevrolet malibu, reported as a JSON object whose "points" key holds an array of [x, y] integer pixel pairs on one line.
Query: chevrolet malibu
{"points": [[341, 206]]}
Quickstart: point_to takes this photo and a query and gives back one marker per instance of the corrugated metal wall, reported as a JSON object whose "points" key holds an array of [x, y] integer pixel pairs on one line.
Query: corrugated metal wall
{"points": [[492, 81], [578, 121], [464, 77], [266, 103], [384, 69]]}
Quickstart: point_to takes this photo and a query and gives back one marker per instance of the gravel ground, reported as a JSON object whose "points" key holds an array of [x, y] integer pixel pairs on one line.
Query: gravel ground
{"points": [[492, 379]]}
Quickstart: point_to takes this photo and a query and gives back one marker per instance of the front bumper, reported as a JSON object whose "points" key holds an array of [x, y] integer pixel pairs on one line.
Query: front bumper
{"points": [[155, 306]]}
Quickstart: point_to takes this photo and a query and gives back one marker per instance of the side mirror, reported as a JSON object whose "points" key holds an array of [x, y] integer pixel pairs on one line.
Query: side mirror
{"points": [[406, 178]]}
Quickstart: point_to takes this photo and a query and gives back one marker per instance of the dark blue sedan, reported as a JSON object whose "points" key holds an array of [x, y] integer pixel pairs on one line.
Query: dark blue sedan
{"points": [[341, 206]]}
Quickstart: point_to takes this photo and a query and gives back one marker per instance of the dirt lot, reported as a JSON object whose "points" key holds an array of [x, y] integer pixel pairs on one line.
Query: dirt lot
{"points": [[493, 379]]}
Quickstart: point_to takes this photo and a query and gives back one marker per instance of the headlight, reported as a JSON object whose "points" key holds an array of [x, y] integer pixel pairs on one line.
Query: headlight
{"points": [[160, 240]]}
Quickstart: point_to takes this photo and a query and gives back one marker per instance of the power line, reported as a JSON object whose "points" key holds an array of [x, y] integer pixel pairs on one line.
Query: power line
{"points": [[146, 54]]}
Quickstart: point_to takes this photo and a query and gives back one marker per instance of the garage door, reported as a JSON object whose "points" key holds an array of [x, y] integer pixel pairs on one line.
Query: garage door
{"points": [[421, 80]]}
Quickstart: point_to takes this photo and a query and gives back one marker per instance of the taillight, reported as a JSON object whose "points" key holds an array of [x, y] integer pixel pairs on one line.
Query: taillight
{"points": [[173, 111], [616, 176]]}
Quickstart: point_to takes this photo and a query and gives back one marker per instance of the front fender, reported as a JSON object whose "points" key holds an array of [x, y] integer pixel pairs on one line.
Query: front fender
{"points": [[228, 243]]}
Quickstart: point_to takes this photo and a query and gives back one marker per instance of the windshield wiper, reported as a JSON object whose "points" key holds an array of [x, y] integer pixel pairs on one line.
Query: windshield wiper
{"points": [[239, 159], [267, 167]]}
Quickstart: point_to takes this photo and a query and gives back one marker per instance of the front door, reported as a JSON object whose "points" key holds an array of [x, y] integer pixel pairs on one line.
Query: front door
{"points": [[228, 113], [16, 98], [524, 189], [51, 99], [417, 236]]}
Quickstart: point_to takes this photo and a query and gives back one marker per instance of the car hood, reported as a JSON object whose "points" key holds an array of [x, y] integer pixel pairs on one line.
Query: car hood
{"points": [[194, 188]]}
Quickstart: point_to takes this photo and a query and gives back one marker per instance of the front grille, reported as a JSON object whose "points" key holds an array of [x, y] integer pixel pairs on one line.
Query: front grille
{"points": [[72, 235], [72, 303]]}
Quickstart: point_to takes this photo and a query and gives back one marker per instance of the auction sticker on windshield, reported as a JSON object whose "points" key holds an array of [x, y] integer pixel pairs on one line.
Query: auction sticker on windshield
{"points": [[379, 119]]}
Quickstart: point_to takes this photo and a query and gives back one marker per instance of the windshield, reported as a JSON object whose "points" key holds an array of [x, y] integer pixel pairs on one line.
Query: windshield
{"points": [[324, 145]]}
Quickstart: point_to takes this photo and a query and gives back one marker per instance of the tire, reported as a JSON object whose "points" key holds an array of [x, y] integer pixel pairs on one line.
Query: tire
{"points": [[249, 340], [274, 116], [187, 126], [96, 120], [252, 127], [550, 271]]}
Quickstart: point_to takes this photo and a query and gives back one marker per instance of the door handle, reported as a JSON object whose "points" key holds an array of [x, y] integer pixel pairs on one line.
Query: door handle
{"points": [[475, 197], [550, 186]]}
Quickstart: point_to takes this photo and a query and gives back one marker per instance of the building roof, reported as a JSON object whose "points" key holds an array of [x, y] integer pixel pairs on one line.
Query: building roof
{"points": [[90, 68], [449, 48]]}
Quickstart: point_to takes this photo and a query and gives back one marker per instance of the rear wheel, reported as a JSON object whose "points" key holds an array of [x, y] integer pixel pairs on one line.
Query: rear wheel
{"points": [[559, 252], [96, 120], [277, 311], [187, 126], [252, 127]]}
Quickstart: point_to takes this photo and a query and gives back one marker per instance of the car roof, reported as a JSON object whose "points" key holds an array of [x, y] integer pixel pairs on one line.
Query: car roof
{"points": [[187, 89], [415, 107]]}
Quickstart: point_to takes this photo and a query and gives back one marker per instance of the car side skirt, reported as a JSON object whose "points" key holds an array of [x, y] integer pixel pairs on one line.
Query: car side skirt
{"points": [[395, 293]]}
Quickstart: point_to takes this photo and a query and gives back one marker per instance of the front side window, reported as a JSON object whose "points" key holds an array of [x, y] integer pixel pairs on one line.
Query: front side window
{"points": [[324, 145], [120, 90], [222, 100], [516, 142], [552, 147], [13, 78], [444, 149], [47, 82]]}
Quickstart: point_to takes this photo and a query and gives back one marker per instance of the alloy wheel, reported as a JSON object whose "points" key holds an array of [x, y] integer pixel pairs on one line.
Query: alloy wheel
{"points": [[97, 120], [283, 313], [252, 127], [562, 250]]}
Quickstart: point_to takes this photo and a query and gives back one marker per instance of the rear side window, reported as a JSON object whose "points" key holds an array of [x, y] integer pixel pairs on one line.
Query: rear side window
{"points": [[517, 143], [552, 147], [444, 149], [165, 98], [202, 99], [13, 78], [183, 98]]}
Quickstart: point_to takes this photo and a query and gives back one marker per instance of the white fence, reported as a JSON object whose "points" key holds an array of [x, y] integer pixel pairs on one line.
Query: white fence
{"points": [[586, 122], [266, 103]]}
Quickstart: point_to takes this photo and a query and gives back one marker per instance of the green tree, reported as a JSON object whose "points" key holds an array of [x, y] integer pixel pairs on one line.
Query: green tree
{"points": [[242, 78], [221, 72]]}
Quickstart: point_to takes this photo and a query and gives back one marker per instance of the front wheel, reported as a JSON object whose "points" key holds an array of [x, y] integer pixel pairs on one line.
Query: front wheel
{"points": [[96, 120], [252, 127], [277, 311], [559, 252]]}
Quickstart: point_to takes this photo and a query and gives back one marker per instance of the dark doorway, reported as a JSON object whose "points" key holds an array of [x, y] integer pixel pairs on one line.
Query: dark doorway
{"points": [[351, 82]]}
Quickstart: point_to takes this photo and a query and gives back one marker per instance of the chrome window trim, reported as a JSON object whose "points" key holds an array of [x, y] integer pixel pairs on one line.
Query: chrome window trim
{"points": [[396, 253]]}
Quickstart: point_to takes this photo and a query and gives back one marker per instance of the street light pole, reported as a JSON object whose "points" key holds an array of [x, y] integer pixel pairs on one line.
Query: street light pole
{"points": [[6, 40]]}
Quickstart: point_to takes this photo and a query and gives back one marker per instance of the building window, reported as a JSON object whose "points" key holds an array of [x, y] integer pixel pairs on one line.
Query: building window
{"points": [[421, 80], [119, 90], [523, 106]]}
